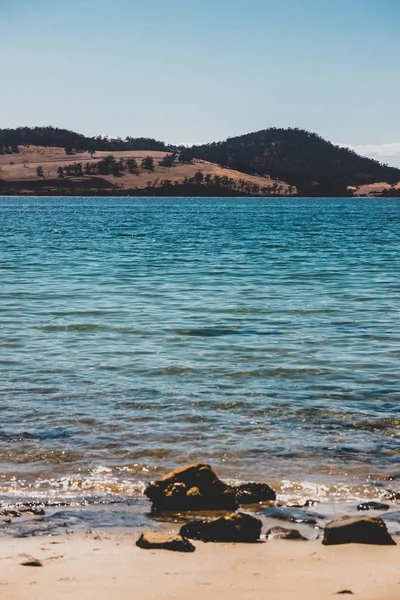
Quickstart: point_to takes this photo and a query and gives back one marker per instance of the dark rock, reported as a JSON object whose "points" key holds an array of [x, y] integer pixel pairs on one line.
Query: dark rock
{"points": [[252, 493], [393, 495], [37, 512], [373, 506], [194, 487], [32, 562], [11, 513], [237, 527], [281, 533], [367, 530], [306, 504], [294, 515], [310, 503], [164, 541]]}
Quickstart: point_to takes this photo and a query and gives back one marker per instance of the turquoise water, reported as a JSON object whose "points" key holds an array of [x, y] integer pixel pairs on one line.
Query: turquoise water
{"points": [[261, 336]]}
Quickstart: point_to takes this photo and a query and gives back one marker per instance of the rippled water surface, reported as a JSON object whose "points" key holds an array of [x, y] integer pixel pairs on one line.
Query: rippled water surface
{"points": [[262, 336]]}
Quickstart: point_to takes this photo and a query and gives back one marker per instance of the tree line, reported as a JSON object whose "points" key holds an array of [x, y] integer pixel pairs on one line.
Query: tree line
{"points": [[109, 165], [72, 141], [241, 186]]}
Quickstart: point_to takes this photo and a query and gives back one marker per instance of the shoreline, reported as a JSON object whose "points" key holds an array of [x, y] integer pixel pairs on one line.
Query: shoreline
{"points": [[99, 565], [43, 519]]}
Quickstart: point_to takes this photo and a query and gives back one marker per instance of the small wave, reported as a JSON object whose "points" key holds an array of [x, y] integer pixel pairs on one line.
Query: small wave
{"points": [[74, 327], [23, 455], [130, 234]]}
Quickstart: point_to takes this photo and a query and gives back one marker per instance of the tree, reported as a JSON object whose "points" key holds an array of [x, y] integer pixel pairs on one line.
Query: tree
{"points": [[77, 169], [132, 166], [148, 163], [169, 160], [39, 172], [106, 165], [198, 178], [89, 168], [118, 168], [60, 173], [69, 150], [25, 163], [186, 157]]}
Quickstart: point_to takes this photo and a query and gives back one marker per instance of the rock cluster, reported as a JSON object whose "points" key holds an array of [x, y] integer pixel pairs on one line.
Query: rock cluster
{"points": [[197, 487]]}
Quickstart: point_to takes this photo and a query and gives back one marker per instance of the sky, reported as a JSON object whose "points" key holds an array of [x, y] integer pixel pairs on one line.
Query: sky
{"points": [[194, 72]]}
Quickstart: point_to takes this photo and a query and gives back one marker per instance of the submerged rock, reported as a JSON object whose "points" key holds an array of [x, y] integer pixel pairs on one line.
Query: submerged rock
{"points": [[252, 493], [237, 527], [373, 506], [164, 541], [294, 515], [367, 530], [392, 516], [281, 533], [11, 513], [194, 487]]}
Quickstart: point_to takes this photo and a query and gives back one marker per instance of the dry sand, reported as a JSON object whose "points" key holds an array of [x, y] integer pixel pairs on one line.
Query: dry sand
{"points": [[102, 566]]}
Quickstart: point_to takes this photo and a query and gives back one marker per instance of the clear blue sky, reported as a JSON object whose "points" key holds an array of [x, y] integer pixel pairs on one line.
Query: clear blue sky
{"points": [[186, 71]]}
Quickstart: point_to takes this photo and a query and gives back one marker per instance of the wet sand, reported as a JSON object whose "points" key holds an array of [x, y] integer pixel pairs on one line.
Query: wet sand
{"points": [[101, 566]]}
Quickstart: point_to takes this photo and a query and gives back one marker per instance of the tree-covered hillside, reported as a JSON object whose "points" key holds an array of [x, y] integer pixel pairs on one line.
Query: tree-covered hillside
{"points": [[307, 163], [300, 158], [63, 138]]}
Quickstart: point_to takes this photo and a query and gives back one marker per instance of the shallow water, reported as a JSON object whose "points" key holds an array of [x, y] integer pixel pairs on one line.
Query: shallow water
{"points": [[261, 336]]}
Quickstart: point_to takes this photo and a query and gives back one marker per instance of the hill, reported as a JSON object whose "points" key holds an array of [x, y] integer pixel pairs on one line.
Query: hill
{"points": [[269, 162], [123, 172], [302, 159]]}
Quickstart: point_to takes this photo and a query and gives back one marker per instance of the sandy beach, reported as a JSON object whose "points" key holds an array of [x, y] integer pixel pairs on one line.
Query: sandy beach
{"points": [[104, 565]]}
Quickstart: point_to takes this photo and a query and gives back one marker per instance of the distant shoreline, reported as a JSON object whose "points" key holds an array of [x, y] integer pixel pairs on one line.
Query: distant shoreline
{"points": [[195, 193]]}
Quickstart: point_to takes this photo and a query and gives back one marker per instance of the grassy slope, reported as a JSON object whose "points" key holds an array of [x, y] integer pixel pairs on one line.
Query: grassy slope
{"points": [[374, 189], [51, 158]]}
